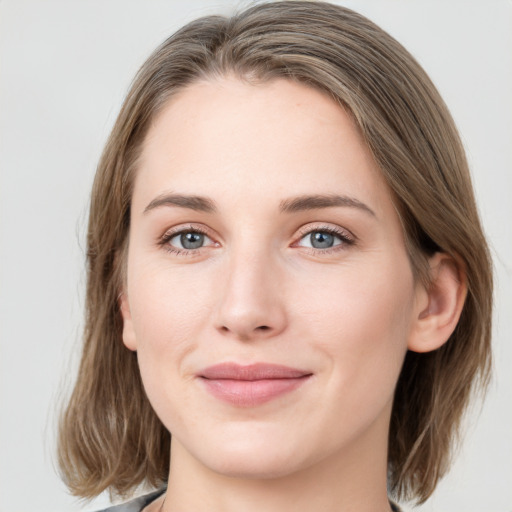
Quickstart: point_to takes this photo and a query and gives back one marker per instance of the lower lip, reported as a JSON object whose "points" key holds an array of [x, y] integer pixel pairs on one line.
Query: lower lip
{"points": [[249, 393]]}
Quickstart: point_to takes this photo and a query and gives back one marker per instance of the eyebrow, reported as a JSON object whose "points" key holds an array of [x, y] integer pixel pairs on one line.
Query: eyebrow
{"points": [[291, 205], [196, 203], [317, 201]]}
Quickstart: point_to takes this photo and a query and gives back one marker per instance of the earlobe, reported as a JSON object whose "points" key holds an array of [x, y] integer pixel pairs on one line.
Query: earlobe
{"points": [[129, 338], [439, 307]]}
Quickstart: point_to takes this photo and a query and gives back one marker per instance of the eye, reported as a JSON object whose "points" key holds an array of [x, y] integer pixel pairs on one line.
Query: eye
{"points": [[325, 238], [186, 240]]}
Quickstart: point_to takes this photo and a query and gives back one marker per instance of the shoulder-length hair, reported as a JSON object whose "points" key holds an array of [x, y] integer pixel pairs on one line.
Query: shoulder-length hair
{"points": [[110, 437]]}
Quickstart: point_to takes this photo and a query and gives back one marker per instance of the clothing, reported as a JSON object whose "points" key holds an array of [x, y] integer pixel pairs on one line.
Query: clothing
{"points": [[138, 504]]}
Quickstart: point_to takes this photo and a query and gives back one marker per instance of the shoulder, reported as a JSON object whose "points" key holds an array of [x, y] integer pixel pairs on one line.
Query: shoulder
{"points": [[137, 504]]}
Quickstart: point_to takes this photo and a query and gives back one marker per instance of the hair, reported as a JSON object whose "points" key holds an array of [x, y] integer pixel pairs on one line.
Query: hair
{"points": [[110, 437]]}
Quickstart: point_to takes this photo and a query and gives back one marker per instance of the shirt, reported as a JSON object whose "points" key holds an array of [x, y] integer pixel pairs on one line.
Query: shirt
{"points": [[138, 504]]}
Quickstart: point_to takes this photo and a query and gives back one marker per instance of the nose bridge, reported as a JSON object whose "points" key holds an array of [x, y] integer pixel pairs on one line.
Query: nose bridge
{"points": [[251, 301]]}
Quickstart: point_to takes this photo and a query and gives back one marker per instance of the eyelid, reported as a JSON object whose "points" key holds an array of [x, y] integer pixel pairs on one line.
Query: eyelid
{"points": [[346, 237], [171, 233], [338, 230]]}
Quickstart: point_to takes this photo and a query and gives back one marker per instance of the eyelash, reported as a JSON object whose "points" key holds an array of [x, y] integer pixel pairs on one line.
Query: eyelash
{"points": [[346, 240], [168, 236]]}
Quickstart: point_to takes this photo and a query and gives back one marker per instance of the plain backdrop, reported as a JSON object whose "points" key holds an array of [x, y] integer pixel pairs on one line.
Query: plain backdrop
{"points": [[64, 69]]}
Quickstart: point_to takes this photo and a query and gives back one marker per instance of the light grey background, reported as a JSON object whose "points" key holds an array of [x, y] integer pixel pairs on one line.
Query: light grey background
{"points": [[64, 69]]}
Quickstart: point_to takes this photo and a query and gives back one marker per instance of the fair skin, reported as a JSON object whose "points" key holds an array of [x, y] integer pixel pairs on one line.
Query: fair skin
{"points": [[323, 287]]}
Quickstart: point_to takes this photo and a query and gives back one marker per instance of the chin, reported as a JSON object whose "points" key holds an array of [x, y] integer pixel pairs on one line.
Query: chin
{"points": [[253, 466], [254, 454]]}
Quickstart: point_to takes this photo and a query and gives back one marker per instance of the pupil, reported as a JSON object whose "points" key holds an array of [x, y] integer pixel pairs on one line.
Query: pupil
{"points": [[192, 240], [321, 240]]}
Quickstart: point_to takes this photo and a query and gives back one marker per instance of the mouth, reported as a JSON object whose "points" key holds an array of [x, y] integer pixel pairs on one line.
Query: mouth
{"points": [[251, 385]]}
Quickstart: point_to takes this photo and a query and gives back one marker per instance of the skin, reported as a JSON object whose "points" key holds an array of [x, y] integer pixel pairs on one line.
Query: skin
{"points": [[256, 291]]}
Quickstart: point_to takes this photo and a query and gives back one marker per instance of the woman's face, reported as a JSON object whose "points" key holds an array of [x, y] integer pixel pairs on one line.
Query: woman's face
{"points": [[269, 294]]}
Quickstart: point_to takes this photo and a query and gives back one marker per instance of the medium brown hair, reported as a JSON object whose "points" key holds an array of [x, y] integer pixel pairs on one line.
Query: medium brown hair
{"points": [[110, 437]]}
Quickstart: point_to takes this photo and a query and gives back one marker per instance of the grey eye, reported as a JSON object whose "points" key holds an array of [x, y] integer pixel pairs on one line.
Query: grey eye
{"points": [[321, 240], [191, 240], [188, 240]]}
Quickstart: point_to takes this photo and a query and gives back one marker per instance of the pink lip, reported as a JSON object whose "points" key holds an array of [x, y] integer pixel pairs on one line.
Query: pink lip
{"points": [[251, 385]]}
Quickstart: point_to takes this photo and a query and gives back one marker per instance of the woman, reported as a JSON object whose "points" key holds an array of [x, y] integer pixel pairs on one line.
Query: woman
{"points": [[286, 273]]}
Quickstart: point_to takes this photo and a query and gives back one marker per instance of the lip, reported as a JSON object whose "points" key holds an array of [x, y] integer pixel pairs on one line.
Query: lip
{"points": [[251, 385]]}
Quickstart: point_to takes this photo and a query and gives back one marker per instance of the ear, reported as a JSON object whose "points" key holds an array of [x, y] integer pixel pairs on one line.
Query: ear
{"points": [[438, 307], [129, 338]]}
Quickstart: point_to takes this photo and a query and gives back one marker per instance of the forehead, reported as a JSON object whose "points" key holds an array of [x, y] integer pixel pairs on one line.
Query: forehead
{"points": [[278, 138]]}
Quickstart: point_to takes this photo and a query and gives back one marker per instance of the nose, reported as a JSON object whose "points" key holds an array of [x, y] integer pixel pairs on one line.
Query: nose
{"points": [[251, 304]]}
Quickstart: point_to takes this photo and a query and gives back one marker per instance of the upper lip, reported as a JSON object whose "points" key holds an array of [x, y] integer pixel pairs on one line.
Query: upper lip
{"points": [[255, 371]]}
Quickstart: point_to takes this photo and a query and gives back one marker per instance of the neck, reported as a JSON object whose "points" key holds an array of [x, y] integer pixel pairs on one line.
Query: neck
{"points": [[353, 479]]}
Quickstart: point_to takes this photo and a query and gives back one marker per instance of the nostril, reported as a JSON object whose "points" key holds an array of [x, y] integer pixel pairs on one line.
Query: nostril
{"points": [[263, 327]]}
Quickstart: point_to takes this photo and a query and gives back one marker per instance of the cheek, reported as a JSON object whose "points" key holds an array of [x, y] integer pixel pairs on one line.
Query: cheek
{"points": [[167, 306], [166, 316], [361, 320], [364, 297], [170, 308]]}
